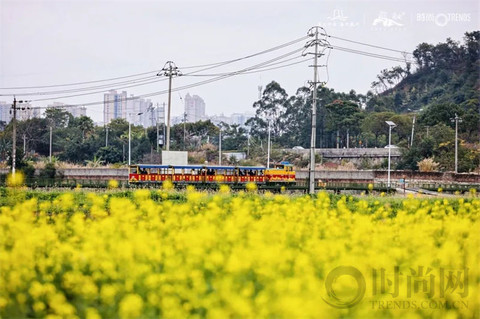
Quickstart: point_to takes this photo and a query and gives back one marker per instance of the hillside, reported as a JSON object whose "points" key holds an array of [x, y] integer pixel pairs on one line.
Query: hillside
{"points": [[446, 73]]}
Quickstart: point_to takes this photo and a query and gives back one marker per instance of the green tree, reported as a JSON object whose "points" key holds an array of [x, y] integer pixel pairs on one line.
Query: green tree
{"points": [[58, 117]]}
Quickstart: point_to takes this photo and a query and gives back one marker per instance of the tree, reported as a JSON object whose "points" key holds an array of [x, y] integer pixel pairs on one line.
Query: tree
{"points": [[439, 113], [343, 116], [234, 137], [58, 117], [271, 108], [82, 123], [109, 154]]}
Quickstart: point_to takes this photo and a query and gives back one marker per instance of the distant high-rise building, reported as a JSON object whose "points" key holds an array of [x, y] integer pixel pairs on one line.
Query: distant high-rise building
{"points": [[76, 111], [194, 108], [114, 106], [217, 119], [139, 111], [241, 118], [25, 111], [161, 113], [5, 115]]}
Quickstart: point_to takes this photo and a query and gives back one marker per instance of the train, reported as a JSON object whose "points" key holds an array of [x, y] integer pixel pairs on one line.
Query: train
{"points": [[282, 173]]}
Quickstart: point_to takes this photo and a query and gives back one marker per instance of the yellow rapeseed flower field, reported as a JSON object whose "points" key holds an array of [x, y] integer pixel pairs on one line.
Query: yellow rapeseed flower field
{"points": [[151, 254]]}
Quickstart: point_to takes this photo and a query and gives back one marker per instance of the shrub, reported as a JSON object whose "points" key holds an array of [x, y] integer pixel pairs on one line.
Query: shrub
{"points": [[427, 165]]}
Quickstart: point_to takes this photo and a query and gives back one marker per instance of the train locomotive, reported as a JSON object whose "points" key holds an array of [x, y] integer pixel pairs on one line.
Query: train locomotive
{"points": [[280, 174]]}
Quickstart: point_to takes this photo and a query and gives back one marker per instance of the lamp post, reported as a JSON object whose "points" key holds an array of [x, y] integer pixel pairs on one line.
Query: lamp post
{"points": [[51, 137], [268, 146], [390, 126], [220, 146], [130, 137], [456, 119]]}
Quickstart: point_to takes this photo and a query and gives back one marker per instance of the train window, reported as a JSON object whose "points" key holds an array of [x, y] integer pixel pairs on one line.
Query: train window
{"points": [[133, 169]]}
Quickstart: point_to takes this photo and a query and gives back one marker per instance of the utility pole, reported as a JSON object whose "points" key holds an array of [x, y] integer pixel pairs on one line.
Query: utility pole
{"points": [[170, 70], [14, 135], [316, 42], [456, 119]]}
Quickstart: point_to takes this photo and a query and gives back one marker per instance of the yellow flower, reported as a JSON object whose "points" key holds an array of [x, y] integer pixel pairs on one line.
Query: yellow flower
{"points": [[167, 185], [224, 189], [15, 180], [112, 184], [251, 187], [131, 306]]}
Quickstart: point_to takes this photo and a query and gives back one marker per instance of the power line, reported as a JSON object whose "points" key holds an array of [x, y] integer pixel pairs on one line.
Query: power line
{"points": [[369, 45], [266, 68], [212, 65], [221, 77], [101, 91], [373, 55], [76, 83], [249, 56], [263, 66], [108, 86], [156, 80]]}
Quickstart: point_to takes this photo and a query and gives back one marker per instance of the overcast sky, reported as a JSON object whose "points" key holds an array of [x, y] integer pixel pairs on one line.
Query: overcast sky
{"points": [[62, 42]]}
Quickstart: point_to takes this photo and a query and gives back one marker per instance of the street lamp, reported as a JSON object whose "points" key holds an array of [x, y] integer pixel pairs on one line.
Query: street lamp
{"points": [[390, 126], [268, 146], [456, 119], [130, 137]]}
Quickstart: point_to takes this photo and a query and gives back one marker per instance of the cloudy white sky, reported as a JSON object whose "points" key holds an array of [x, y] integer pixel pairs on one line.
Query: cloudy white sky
{"points": [[61, 42]]}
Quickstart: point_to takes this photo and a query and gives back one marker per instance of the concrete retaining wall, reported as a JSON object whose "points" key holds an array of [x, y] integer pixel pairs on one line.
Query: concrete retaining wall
{"points": [[350, 152], [347, 176], [121, 174]]}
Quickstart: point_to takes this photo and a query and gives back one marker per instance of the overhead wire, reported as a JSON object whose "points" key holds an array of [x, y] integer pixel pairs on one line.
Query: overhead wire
{"points": [[108, 86], [217, 78], [260, 67], [367, 44], [248, 56], [71, 84], [371, 54], [212, 65]]}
